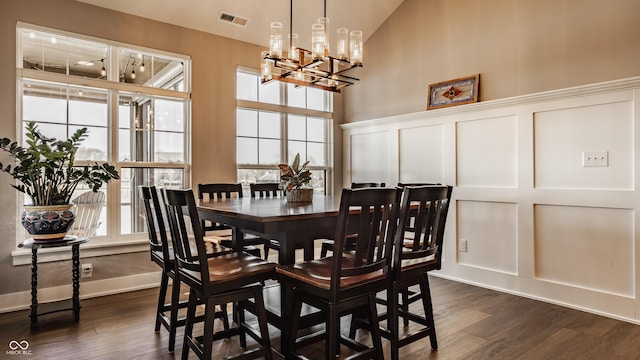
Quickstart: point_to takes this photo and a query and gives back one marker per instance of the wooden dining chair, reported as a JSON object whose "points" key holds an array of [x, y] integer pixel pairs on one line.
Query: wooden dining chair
{"points": [[412, 260], [273, 190], [162, 254], [231, 277], [347, 281], [327, 244], [221, 233], [266, 190]]}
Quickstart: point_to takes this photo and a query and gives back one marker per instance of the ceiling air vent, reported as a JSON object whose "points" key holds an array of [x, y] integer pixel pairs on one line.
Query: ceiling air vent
{"points": [[237, 20]]}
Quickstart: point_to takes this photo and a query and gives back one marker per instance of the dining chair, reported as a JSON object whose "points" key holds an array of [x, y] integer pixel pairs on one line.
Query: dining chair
{"points": [[327, 244], [162, 254], [87, 208], [347, 281], [221, 233], [413, 258], [273, 190], [228, 277]]}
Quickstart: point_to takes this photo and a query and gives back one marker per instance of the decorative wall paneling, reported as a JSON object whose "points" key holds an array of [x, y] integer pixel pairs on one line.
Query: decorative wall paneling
{"points": [[534, 220]]}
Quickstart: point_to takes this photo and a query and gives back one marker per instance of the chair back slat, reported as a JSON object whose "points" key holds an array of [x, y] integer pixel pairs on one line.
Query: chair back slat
{"points": [[155, 217], [371, 213], [264, 190], [426, 208]]}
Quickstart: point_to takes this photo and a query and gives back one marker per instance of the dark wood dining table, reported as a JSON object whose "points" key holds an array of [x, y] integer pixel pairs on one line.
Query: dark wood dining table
{"points": [[275, 218]]}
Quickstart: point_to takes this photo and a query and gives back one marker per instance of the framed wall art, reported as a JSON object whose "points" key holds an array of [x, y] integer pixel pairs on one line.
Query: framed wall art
{"points": [[453, 92]]}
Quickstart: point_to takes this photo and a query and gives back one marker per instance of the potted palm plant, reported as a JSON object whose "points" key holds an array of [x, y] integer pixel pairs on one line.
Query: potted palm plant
{"points": [[295, 177], [45, 172]]}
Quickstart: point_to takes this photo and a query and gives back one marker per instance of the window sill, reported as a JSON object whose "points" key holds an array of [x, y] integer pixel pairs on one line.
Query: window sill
{"points": [[23, 257]]}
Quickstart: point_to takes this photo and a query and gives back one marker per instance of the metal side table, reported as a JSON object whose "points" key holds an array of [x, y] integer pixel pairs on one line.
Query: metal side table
{"points": [[62, 305]]}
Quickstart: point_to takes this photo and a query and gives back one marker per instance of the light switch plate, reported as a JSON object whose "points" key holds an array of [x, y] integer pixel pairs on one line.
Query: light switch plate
{"points": [[595, 158]]}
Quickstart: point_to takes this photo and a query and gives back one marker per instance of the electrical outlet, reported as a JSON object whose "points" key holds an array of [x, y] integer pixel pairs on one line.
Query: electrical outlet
{"points": [[595, 158], [86, 270], [462, 245]]}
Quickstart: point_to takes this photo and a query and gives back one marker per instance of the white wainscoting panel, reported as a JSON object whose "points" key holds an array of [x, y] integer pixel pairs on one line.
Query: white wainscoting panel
{"points": [[490, 232], [586, 247], [487, 152], [421, 154], [561, 136], [370, 158], [536, 222]]}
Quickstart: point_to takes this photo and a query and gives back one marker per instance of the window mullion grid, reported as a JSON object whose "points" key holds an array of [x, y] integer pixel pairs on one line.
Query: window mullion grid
{"points": [[113, 89], [284, 133]]}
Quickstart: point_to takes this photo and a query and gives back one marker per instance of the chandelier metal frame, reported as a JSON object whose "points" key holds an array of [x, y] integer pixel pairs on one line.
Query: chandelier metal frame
{"points": [[305, 68]]}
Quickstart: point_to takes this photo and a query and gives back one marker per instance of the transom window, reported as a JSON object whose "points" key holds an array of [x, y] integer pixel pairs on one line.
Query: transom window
{"points": [[134, 102], [274, 122]]}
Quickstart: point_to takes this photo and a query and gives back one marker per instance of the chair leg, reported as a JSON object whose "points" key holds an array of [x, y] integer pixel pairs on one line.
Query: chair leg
{"points": [[266, 249], [293, 330], [376, 337], [209, 317], [239, 310], [188, 327], [428, 309], [225, 316], [262, 323], [332, 349], [405, 305], [393, 321], [164, 281], [175, 305]]}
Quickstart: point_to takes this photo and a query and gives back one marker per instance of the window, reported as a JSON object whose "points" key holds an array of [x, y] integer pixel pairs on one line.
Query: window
{"points": [[134, 102], [274, 122]]}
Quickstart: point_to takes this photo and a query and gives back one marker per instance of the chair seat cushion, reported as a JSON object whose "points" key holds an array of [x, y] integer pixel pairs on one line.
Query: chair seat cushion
{"points": [[318, 273], [231, 267]]}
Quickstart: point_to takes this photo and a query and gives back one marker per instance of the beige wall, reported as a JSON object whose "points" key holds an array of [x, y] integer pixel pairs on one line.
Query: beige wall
{"points": [[214, 59], [517, 46]]}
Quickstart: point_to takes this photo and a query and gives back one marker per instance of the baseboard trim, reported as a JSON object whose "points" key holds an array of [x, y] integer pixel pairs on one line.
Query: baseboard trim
{"points": [[538, 298], [88, 289]]}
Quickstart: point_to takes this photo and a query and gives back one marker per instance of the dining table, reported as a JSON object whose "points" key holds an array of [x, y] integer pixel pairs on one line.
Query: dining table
{"points": [[276, 218]]}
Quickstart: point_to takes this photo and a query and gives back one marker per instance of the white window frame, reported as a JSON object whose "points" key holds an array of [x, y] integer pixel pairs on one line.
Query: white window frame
{"points": [[283, 110], [113, 243]]}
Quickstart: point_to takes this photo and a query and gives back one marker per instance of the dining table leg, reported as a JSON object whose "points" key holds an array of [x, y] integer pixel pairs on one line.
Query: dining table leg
{"points": [[286, 256]]}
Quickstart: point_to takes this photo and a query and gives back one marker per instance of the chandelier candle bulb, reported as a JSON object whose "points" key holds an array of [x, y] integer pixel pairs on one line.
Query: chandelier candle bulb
{"points": [[356, 47], [317, 40], [343, 35], [275, 40], [265, 66], [294, 55], [325, 25]]}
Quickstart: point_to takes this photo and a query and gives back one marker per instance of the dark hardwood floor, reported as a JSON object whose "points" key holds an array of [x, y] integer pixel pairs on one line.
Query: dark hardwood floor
{"points": [[472, 323]]}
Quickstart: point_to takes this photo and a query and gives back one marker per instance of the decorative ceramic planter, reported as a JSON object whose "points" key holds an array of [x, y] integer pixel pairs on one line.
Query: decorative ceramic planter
{"points": [[49, 222], [299, 195]]}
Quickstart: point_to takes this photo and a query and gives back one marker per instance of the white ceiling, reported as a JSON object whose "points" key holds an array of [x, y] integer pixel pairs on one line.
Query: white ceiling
{"points": [[365, 15]]}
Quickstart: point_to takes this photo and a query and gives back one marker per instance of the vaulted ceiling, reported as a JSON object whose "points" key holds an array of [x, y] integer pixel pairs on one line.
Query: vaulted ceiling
{"points": [[204, 15]]}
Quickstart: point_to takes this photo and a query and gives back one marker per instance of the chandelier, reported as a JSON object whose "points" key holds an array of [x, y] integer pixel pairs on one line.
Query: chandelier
{"points": [[315, 67]]}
